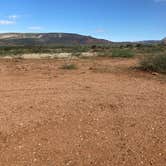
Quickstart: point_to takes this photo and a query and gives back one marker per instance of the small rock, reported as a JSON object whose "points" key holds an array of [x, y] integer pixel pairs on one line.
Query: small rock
{"points": [[155, 73], [91, 68]]}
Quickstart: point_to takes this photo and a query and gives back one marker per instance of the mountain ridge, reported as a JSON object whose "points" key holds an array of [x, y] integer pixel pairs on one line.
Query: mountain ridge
{"points": [[48, 39]]}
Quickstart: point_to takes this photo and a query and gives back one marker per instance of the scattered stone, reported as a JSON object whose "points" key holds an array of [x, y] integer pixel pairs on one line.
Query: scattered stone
{"points": [[155, 73]]}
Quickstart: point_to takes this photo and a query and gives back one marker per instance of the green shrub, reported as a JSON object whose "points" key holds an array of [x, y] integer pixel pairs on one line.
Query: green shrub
{"points": [[76, 54], [69, 66], [123, 53], [151, 49], [104, 54], [154, 63]]}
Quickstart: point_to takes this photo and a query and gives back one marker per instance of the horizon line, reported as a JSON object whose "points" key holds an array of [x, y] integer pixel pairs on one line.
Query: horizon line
{"points": [[130, 41]]}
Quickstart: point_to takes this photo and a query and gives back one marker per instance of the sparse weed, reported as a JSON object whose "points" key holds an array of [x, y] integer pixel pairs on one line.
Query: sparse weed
{"points": [[69, 66]]}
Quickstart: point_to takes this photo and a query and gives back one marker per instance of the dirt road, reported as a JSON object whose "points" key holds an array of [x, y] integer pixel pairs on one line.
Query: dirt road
{"points": [[102, 114]]}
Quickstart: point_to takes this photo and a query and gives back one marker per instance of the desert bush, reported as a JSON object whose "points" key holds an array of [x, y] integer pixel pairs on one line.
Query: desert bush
{"points": [[93, 47], [17, 50], [139, 45], [69, 66], [123, 53], [104, 54], [154, 63], [152, 49], [129, 45], [76, 54]]}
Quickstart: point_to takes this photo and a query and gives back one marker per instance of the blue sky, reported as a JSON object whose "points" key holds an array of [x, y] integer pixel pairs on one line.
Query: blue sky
{"points": [[116, 20]]}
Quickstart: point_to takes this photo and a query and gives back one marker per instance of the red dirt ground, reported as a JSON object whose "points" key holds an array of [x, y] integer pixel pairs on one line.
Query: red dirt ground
{"points": [[102, 114]]}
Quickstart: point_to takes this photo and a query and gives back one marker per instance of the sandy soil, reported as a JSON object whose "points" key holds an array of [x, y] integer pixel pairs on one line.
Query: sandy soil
{"points": [[51, 56], [102, 114]]}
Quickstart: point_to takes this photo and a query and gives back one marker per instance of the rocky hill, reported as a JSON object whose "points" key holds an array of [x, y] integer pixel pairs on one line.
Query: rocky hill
{"points": [[31, 39]]}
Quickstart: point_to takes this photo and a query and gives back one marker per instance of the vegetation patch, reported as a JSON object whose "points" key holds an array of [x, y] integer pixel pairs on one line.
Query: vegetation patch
{"points": [[122, 53], [104, 54], [154, 63], [20, 50]]}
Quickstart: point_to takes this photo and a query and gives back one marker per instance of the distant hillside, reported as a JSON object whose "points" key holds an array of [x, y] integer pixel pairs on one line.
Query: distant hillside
{"points": [[164, 41], [29, 39], [150, 42]]}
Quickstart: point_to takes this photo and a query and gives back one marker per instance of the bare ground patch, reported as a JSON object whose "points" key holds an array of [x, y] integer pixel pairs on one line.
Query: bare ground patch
{"points": [[51, 116]]}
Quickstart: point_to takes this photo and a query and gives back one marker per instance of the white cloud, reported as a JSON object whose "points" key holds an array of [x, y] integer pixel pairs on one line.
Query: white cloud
{"points": [[6, 22], [99, 30], [35, 27], [13, 17]]}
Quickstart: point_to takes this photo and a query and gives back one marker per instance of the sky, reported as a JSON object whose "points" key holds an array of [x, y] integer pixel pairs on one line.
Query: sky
{"points": [[115, 20]]}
